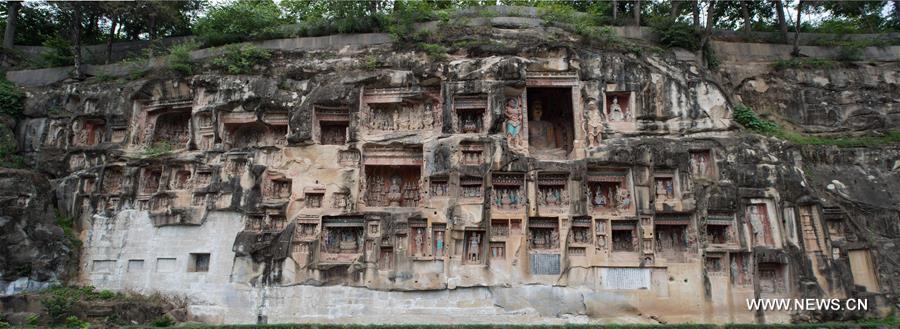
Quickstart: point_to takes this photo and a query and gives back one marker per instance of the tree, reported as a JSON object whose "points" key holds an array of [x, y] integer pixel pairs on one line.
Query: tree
{"points": [[637, 13], [12, 14], [239, 21], [695, 11], [796, 51], [782, 23]]}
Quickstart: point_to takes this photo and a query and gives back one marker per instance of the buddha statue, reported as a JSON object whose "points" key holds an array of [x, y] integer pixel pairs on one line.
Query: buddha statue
{"points": [[541, 134]]}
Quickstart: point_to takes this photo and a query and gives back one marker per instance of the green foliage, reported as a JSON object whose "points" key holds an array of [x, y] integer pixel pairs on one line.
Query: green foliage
{"points": [[180, 58], [33, 319], [240, 59], [747, 118], [371, 63], [158, 148], [435, 51], [676, 34], [73, 322], [163, 321], [709, 56], [12, 98], [239, 20], [106, 294], [804, 63], [67, 223], [58, 52], [58, 301], [8, 156]]}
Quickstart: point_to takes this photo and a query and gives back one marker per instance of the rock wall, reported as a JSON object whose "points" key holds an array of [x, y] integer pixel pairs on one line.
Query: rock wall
{"points": [[542, 181]]}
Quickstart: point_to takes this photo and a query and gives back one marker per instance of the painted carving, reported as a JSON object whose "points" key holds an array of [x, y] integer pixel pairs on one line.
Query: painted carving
{"points": [[594, 124], [513, 114]]}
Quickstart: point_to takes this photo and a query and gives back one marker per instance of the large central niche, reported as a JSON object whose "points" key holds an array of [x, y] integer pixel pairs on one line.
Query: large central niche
{"points": [[392, 176], [551, 130], [342, 240]]}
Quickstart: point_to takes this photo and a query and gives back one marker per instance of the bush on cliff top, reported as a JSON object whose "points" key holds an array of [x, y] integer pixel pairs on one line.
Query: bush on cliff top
{"points": [[240, 59]]}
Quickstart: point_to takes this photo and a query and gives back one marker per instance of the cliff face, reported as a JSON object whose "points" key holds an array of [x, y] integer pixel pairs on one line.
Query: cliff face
{"points": [[553, 183]]}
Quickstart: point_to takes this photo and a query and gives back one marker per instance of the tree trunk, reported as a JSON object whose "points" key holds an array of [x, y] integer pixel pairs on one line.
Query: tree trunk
{"points": [[615, 5], [782, 24], [76, 36], [109, 41], [796, 51], [675, 6], [710, 13], [695, 9], [745, 12], [12, 14], [637, 13]]}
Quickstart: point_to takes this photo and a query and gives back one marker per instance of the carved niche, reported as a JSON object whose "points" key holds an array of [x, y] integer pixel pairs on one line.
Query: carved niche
{"points": [[471, 153], [508, 191], [470, 114], [392, 176], [88, 131], [543, 234], [608, 193], [331, 125], [342, 239], [552, 190], [276, 188], [402, 109], [172, 128]]}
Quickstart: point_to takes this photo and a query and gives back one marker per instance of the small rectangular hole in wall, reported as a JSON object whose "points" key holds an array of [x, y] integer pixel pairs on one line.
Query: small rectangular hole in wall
{"points": [[103, 266], [199, 263], [135, 265], [165, 265]]}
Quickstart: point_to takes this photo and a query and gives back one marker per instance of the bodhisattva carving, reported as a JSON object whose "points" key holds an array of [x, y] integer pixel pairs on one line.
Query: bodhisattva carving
{"points": [[616, 112], [594, 124], [513, 114]]}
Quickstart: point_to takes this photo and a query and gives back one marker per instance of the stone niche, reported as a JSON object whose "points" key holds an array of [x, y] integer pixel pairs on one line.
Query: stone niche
{"points": [[773, 279], [543, 245], [401, 109], [624, 235], [471, 189], [474, 246], [206, 137], [112, 180], [314, 196], [150, 178], [672, 236], [331, 124], [276, 188], [88, 131], [471, 153], [619, 107], [56, 134], [418, 238], [551, 129], [180, 178], [508, 193], [703, 165], [342, 239], [242, 130], [609, 194], [265, 221], [552, 192], [392, 176], [720, 230], [741, 269], [471, 115], [667, 194], [172, 127], [438, 186], [580, 235], [759, 216]]}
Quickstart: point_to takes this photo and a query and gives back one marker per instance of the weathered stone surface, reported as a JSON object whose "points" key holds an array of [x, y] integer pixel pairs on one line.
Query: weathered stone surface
{"points": [[529, 181]]}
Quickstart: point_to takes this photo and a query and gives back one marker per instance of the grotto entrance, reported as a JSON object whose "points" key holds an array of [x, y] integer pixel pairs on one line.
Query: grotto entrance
{"points": [[551, 129]]}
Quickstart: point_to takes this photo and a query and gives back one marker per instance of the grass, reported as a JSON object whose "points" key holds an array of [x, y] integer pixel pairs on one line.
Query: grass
{"points": [[159, 148], [750, 120]]}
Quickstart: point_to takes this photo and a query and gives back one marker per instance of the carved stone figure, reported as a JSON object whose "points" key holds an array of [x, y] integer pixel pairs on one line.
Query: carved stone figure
{"points": [[615, 111], [439, 243], [541, 134], [594, 124], [513, 114], [394, 195], [474, 243], [623, 199]]}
